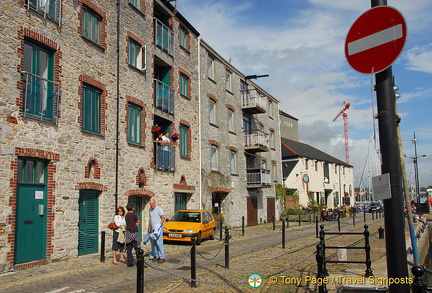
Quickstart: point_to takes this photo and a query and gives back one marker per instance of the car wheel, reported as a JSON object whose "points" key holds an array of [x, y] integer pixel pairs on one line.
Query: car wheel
{"points": [[212, 236], [199, 239]]}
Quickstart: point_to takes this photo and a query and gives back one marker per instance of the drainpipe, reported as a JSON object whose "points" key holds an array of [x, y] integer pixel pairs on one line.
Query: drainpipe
{"points": [[199, 122], [117, 108]]}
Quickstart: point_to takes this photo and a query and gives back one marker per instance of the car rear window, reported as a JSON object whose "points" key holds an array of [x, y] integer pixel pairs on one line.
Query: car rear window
{"points": [[187, 217]]}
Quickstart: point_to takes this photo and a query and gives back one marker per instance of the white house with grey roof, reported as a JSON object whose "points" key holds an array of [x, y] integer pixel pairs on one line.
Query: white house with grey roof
{"points": [[312, 175]]}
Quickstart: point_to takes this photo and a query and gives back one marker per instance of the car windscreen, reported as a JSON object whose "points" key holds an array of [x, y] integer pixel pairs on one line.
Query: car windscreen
{"points": [[187, 217]]}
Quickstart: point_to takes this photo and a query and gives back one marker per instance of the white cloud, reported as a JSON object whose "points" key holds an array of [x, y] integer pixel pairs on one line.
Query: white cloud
{"points": [[419, 58]]}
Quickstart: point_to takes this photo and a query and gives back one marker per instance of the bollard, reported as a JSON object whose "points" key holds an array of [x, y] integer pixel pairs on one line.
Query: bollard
{"points": [[283, 233], [287, 220], [364, 216], [381, 233], [220, 230], [339, 224], [299, 219], [102, 257], [140, 271], [316, 226], [274, 222], [243, 226], [226, 248], [354, 220], [193, 263]]}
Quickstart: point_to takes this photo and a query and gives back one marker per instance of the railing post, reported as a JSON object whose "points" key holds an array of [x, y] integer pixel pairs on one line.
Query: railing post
{"points": [[193, 263], [419, 286], [364, 216], [339, 224], [102, 256], [299, 219], [140, 271], [243, 226], [226, 248], [316, 226], [287, 220], [274, 223], [283, 233], [353, 220], [380, 233], [367, 250]]}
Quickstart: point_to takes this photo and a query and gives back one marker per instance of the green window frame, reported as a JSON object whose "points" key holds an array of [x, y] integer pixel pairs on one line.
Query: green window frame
{"points": [[184, 38], [32, 171], [92, 25], [136, 55], [136, 3], [184, 85], [91, 109], [39, 89], [134, 124], [184, 141]]}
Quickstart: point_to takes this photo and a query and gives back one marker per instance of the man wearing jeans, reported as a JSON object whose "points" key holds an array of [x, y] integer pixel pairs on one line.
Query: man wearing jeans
{"points": [[157, 219], [132, 238]]}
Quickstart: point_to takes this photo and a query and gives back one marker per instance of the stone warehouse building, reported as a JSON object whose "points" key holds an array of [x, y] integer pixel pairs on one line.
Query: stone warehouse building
{"points": [[87, 85]]}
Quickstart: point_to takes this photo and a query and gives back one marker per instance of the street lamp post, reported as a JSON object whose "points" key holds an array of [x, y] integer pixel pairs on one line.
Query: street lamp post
{"points": [[416, 175]]}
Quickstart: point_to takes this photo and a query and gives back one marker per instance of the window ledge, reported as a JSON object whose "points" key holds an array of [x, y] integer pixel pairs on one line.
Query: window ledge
{"points": [[212, 124], [142, 71]]}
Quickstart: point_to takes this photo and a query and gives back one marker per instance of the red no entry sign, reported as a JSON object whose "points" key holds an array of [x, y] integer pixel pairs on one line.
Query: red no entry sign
{"points": [[376, 39]]}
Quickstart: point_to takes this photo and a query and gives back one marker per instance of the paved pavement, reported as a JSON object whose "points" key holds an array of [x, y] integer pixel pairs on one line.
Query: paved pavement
{"points": [[289, 269]]}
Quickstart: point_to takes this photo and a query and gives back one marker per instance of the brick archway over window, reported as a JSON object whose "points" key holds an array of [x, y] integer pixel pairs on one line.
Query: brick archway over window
{"points": [[92, 169]]}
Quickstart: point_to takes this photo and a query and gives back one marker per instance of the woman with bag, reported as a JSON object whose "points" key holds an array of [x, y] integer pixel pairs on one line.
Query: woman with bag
{"points": [[118, 236]]}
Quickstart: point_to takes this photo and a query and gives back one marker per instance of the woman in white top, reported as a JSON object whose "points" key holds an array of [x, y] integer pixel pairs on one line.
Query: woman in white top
{"points": [[120, 221]]}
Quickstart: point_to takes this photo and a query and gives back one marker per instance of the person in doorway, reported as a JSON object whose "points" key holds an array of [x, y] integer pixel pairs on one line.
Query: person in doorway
{"points": [[132, 238], [157, 219], [119, 236]]}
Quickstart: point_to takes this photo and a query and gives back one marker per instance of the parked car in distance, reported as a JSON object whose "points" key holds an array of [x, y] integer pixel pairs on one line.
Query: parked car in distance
{"points": [[375, 207], [187, 224]]}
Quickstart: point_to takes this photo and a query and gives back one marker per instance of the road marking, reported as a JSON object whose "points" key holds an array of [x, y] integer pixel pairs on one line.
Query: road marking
{"points": [[374, 40], [58, 290]]}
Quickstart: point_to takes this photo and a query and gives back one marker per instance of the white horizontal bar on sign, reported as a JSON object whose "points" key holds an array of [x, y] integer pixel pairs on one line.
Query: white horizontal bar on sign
{"points": [[377, 39]]}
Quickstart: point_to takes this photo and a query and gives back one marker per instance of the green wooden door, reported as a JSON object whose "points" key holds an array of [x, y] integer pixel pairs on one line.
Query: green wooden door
{"points": [[30, 236], [138, 203], [88, 222]]}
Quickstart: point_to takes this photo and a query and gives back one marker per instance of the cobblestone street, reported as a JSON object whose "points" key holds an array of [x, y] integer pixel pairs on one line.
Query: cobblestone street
{"points": [[292, 269]]}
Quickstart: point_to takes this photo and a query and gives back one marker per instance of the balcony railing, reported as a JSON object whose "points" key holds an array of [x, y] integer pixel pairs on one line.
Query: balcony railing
{"points": [[253, 101], [41, 97], [258, 177], [164, 156], [164, 37], [256, 139], [164, 97]]}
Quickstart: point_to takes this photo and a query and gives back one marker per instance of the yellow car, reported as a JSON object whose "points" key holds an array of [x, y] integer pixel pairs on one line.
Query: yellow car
{"points": [[185, 224]]}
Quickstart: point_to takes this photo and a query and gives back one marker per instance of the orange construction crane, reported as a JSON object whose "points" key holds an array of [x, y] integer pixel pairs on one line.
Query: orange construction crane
{"points": [[345, 107]]}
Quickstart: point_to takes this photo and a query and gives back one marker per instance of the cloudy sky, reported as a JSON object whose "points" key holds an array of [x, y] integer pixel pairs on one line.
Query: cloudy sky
{"points": [[300, 44]]}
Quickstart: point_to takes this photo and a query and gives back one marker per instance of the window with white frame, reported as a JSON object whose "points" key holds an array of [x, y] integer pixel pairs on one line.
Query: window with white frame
{"points": [[270, 108], [274, 171], [49, 8], [212, 111], [210, 67], [214, 158], [272, 139], [233, 162], [228, 80], [137, 55], [230, 120]]}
